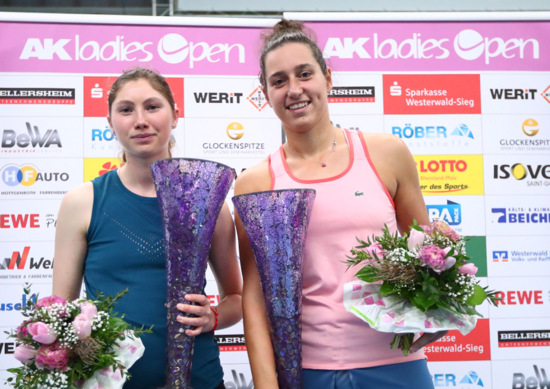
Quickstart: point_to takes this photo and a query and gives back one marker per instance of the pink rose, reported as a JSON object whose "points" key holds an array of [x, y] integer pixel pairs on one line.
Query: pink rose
{"points": [[22, 331], [82, 325], [88, 309], [375, 249], [52, 357], [41, 333], [416, 239], [469, 268], [24, 353], [435, 258], [49, 301]]}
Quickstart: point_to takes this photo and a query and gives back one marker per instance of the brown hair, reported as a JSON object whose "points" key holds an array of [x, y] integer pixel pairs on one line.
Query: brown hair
{"points": [[289, 31], [157, 82]]}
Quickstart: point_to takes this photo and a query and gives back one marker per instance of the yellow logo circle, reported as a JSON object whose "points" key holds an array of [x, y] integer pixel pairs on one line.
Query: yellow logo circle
{"points": [[28, 175], [235, 130], [518, 171], [530, 127]]}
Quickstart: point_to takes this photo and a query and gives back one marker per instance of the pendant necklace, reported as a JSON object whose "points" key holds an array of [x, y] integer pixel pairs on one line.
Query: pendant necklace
{"points": [[324, 162]]}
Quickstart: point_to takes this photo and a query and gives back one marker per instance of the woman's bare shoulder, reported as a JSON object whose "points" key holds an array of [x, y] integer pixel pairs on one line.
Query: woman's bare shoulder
{"points": [[254, 179]]}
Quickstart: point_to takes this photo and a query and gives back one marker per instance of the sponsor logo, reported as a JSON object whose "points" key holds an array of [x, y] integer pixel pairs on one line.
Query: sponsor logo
{"points": [[432, 94], [538, 381], [519, 215], [37, 96], [95, 167], [96, 94], [231, 342], [457, 347], [468, 45], [239, 381], [19, 260], [395, 89], [530, 127], [500, 256], [171, 48], [218, 97], [19, 221], [257, 98], [521, 256], [431, 132], [7, 348], [471, 45], [529, 173], [546, 94], [450, 212], [28, 175], [456, 174], [234, 131], [12, 141], [530, 338], [470, 380], [174, 48], [513, 94], [104, 139], [351, 94], [520, 297], [17, 306]]}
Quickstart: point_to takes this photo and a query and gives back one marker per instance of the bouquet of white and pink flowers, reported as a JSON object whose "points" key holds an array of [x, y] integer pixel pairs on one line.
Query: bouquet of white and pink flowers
{"points": [[79, 344], [420, 282]]}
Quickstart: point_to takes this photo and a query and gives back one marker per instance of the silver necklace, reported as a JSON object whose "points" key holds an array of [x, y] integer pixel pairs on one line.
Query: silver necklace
{"points": [[324, 162]]}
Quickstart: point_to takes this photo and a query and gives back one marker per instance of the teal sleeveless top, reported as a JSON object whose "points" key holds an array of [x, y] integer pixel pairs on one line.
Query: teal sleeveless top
{"points": [[126, 250]]}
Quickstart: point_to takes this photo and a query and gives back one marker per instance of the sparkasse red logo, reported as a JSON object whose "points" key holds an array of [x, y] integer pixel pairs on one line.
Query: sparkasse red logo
{"points": [[432, 94]]}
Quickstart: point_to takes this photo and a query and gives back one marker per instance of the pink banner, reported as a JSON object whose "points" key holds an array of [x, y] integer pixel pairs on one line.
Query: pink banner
{"points": [[348, 46], [431, 46], [95, 48]]}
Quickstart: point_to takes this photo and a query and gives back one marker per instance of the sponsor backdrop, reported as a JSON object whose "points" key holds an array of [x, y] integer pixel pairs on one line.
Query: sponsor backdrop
{"points": [[471, 99]]}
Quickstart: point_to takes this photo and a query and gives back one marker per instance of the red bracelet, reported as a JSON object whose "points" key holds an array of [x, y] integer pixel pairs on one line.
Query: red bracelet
{"points": [[215, 311]]}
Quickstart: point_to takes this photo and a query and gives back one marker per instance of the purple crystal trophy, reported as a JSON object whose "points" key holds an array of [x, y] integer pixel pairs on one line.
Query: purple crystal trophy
{"points": [[276, 224], [191, 193]]}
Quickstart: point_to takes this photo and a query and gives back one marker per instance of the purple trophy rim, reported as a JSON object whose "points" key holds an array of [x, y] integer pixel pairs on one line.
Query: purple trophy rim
{"points": [[307, 190], [193, 159]]}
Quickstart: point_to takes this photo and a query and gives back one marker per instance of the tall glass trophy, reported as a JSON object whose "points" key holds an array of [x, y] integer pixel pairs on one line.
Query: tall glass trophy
{"points": [[191, 193], [276, 224]]}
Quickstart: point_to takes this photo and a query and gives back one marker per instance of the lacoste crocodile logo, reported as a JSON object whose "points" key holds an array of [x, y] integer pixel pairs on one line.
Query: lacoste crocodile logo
{"points": [[357, 193]]}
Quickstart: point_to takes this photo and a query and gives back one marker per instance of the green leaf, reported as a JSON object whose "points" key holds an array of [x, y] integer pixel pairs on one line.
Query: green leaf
{"points": [[387, 288], [478, 297], [368, 274]]}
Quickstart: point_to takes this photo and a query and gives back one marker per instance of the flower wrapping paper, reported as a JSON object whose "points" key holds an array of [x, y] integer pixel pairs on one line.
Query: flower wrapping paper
{"points": [[395, 315]]}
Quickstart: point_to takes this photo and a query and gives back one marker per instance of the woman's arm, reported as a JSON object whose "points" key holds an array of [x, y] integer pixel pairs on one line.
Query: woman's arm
{"points": [[256, 326], [225, 267], [71, 247]]}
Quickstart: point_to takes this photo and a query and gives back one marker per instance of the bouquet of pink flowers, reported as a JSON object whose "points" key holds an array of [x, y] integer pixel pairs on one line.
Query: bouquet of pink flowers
{"points": [[420, 282], [79, 344]]}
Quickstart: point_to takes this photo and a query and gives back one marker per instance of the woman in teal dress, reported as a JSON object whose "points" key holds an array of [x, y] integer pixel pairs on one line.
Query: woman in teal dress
{"points": [[109, 234]]}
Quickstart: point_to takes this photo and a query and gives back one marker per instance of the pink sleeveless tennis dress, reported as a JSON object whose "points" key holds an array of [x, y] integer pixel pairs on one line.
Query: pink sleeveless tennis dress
{"points": [[354, 203]]}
